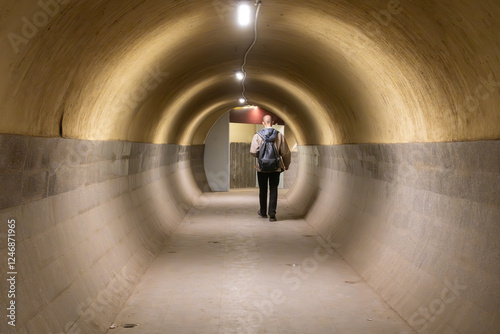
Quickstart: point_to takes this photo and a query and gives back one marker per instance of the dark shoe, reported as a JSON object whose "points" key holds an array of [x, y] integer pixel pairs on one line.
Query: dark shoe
{"points": [[272, 218], [261, 215]]}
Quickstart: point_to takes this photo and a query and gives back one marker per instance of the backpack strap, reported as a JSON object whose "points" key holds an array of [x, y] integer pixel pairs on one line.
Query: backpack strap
{"points": [[267, 140], [275, 149]]}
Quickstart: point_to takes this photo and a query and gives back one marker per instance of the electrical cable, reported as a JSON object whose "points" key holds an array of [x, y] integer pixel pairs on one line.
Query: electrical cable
{"points": [[248, 51]]}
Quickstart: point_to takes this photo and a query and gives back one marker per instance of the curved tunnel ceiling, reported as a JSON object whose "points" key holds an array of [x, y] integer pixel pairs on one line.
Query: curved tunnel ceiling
{"points": [[162, 71]]}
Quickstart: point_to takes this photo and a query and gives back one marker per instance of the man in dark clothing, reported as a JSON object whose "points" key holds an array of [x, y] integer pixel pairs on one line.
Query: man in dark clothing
{"points": [[271, 177]]}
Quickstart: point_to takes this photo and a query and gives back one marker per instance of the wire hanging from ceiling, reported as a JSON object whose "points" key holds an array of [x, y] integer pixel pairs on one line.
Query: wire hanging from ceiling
{"points": [[243, 88]]}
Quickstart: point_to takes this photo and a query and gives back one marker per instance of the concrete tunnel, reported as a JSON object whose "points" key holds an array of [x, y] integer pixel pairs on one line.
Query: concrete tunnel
{"points": [[105, 108]]}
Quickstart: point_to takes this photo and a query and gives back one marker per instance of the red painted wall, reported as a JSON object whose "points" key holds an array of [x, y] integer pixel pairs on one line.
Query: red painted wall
{"points": [[252, 115]]}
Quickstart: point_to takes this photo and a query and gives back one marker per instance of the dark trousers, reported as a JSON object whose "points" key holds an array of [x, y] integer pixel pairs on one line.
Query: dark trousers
{"points": [[274, 179]]}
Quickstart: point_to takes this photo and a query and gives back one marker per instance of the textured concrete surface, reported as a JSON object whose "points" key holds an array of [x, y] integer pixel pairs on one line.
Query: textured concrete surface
{"points": [[225, 270], [419, 222], [198, 170], [336, 71], [33, 168], [416, 217], [291, 174], [90, 218]]}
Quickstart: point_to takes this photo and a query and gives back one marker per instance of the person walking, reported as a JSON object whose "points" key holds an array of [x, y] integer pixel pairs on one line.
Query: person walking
{"points": [[270, 148]]}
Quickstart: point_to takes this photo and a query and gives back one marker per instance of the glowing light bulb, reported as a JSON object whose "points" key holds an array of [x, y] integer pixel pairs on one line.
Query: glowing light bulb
{"points": [[239, 75], [244, 14], [242, 100]]}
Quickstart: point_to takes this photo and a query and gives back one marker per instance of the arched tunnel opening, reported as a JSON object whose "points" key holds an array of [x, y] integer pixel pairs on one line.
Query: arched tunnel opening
{"points": [[106, 225]]}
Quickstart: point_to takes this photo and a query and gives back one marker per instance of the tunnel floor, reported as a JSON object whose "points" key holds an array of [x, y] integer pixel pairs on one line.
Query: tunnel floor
{"points": [[225, 270]]}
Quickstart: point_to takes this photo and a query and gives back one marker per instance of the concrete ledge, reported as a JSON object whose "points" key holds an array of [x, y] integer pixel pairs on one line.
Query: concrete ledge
{"points": [[33, 168]]}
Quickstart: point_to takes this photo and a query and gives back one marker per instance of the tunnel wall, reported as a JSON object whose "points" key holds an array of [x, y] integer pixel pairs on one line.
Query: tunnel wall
{"points": [[419, 222], [90, 216], [338, 72], [197, 153], [290, 175]]}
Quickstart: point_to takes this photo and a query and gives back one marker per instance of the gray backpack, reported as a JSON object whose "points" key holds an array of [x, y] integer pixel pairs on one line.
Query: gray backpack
{"points": [[268, 155]]}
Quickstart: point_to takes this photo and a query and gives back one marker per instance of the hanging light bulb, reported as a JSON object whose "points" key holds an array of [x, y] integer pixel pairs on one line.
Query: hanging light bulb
{"points": [[240, 75], [244, 14]]}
